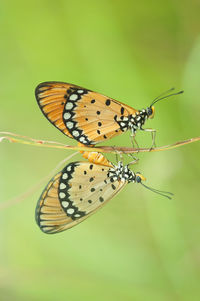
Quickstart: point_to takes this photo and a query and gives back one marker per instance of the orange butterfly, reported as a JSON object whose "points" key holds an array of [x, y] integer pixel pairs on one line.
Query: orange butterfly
{"points": [[80, 189], [87, 116]]}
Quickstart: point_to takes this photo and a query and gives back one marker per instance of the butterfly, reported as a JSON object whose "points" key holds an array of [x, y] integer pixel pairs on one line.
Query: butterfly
{"points": [[90, 117], [78, 191], [82, 188]]}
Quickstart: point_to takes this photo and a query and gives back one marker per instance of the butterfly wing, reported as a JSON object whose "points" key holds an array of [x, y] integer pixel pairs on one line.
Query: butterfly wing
{"points": [[84, 115], [73, 195], [51, 98]]}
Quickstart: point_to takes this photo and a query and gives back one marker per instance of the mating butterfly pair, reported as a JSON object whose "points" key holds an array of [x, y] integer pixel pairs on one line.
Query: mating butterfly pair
{"points": [[83, 187]]}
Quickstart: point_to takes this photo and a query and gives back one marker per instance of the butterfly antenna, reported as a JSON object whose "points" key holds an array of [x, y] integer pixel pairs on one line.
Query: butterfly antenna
{"points": [[169, 90], [163, 193], [160, 97]]}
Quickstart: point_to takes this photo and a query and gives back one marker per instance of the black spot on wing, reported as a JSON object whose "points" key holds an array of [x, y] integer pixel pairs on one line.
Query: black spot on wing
{"points": [[113, 187], [108, 102]]}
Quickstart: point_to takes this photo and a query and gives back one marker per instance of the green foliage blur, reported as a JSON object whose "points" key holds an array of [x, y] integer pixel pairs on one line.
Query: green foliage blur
{"points": [[140, 246]]}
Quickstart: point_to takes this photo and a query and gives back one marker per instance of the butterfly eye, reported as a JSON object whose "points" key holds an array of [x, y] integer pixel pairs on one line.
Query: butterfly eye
{"points": [[138, 179], [150, 112]]}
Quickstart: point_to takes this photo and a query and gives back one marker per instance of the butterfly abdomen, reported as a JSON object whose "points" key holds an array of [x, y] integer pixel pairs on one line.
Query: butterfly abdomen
{"points": [[96, 158]]}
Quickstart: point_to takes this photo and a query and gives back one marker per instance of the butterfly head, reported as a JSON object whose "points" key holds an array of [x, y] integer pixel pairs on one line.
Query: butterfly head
{"points": [[150, 112], [139, 178]]}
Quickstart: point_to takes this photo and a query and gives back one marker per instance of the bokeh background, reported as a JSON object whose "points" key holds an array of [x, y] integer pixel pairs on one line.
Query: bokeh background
{"points": [[140, 246]]}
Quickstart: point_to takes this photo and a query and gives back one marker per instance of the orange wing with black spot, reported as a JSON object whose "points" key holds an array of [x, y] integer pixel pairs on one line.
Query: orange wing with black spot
{"points": [[87, 116], [75, 193]]}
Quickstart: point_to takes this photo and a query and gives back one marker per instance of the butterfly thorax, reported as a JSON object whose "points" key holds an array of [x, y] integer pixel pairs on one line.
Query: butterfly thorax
{"points": [[121, 173], [133, 122]]}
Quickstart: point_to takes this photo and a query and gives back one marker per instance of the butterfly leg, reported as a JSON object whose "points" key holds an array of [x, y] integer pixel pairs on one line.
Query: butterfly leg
{"points": [[153, 136], [117, 154], [134, 142], [135, 160]]}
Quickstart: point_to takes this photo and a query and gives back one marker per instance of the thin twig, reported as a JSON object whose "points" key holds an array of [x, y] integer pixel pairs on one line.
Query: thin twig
{"points": [[105, 149]]}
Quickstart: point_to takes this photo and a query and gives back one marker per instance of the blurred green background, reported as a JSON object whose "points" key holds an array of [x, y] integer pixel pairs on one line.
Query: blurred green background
{"points": [[140, 246]]}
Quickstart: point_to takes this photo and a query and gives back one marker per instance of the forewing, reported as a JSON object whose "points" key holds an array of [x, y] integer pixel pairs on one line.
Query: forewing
{"points": [[73, 195], [87, 116]]}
